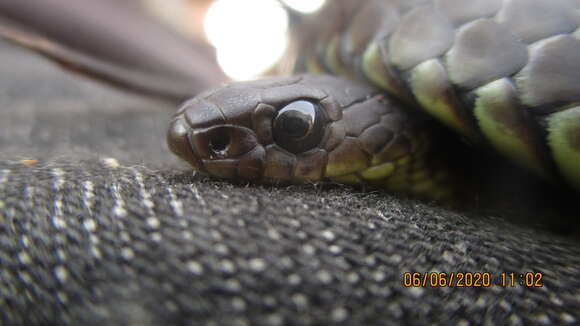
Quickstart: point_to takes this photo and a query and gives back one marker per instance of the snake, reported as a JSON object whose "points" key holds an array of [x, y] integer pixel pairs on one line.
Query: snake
{"points": [[371, 79], [375, 93]]}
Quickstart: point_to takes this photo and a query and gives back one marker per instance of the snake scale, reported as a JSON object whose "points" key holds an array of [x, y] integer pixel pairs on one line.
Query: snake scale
{"points": [[502, 74]]}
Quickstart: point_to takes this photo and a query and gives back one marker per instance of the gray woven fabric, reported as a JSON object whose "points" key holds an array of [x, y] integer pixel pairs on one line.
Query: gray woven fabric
{"points": [[108, 228]]}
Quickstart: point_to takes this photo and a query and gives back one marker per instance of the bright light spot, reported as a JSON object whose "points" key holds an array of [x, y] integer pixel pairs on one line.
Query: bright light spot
{"points": [[305, 6], [249, 35]]}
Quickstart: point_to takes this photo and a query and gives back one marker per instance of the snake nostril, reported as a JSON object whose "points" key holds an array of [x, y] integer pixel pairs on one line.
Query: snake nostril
{"points": [[219, 143]]}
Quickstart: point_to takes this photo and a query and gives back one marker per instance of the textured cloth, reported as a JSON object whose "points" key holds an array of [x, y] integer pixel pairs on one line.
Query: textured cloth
{"points": [[100, 224]]}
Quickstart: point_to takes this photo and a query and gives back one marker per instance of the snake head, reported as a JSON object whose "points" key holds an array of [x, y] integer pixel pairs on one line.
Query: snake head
{"points": [[306, 127]]}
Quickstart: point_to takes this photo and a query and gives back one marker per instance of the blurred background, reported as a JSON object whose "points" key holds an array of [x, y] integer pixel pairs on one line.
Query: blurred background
{"points": [[249, 35]]}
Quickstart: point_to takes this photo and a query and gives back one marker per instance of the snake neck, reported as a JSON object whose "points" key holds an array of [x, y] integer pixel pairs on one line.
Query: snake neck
{"points": [[482, 73]]}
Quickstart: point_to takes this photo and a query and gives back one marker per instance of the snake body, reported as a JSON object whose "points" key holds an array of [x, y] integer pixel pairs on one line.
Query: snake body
{"points": [[505, 74]]}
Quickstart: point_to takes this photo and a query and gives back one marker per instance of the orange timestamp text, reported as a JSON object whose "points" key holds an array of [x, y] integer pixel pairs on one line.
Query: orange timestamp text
{"points": [[472, 279]]}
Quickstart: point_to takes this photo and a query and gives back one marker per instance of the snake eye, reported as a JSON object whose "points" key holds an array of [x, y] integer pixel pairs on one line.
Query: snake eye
{"points": [[298, 126]]}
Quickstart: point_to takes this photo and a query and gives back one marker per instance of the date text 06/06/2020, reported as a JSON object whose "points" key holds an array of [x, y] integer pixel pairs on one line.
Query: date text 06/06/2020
{"points": [[472, 279]]}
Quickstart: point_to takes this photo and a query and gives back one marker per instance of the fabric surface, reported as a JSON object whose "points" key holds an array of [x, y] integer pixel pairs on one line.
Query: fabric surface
{"points": [[100, 224]]}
